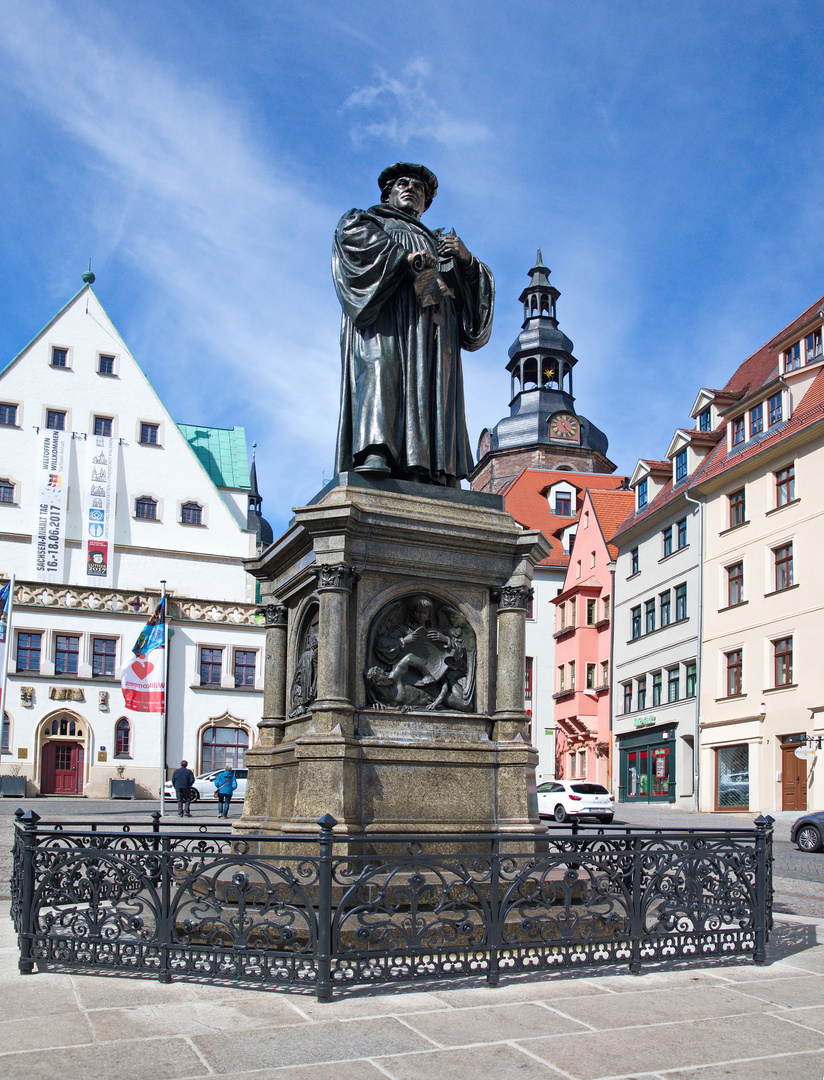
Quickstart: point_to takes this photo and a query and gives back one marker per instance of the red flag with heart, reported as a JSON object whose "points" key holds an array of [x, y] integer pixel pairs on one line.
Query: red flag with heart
{"points": [[143, 681]]}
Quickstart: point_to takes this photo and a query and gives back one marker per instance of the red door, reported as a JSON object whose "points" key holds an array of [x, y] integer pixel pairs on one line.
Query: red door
{"points": [[62, 769]]}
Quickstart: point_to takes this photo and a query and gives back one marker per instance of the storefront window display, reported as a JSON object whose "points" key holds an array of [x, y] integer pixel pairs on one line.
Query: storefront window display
{"points": [[647, 762], [732, 777]]}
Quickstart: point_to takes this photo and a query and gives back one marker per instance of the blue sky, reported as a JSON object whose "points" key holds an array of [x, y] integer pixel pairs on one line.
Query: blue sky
{"points": [[665, 155]]}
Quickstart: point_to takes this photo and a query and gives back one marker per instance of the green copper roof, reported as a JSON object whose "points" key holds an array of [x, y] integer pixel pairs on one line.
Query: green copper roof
{"points": [[221, 452]]}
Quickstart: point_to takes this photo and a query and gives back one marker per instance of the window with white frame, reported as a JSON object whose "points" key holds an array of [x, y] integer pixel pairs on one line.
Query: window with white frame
{"points": [[785, 485], [145, 508], [783, 562], [792, 357], [680, 465], [812, 345], [783, 661]]}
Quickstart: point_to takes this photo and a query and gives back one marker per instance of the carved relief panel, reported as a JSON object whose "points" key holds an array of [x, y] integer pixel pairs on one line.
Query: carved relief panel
{"points": [[421, 655], [305, 679]]}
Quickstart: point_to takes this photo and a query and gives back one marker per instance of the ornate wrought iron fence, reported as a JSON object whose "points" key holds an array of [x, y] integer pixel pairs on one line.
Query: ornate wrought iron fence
{"points": [[192, 901]]}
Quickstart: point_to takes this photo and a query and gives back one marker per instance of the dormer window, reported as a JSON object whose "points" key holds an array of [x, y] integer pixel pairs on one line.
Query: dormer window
{"points": [[792, 357], [756, 419], [643, 494], [775, 409], [705, 419], [738, 433], [813, 344], [680, 465]]}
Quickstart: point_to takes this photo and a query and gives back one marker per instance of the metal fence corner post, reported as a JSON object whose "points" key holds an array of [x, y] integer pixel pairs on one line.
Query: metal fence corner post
{"points": [[323, 944], [25, 931], [763, 886]]}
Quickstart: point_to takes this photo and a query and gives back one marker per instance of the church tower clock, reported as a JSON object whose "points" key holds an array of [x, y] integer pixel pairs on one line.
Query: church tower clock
{"points": [[543, 430]]}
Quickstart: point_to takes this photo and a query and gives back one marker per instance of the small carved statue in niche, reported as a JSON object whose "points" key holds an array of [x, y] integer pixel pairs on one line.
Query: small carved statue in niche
{"points": [[305, 682], [421, 656]]}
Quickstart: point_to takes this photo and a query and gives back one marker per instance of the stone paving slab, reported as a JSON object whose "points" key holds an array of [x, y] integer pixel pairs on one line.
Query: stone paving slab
{"points": [[729, 1020], [654, 1047]]}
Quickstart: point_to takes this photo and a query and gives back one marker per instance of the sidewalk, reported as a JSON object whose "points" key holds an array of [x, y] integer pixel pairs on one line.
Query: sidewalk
{"points": [[733, 1021]]}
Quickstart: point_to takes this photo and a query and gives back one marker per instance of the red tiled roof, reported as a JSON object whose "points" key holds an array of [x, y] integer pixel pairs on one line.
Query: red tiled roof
{"points": [[657, 466], [611, 508], [810, 410], [762, 366], [756, 371], [524, 500]]}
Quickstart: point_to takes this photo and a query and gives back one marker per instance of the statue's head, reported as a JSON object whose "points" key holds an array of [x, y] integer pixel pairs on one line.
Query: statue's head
{"points": [[420, 609], [408, 187]]}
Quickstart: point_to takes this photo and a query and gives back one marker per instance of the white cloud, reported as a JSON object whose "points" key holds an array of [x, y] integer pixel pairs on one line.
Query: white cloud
{"points": [[405, 109], [237, 248]]}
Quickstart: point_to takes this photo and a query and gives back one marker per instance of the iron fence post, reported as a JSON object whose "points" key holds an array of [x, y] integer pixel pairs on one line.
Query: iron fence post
{"points": [[635, 919], [154, 876], [26, 932], [495, 930], [763, 885], [323, 942], [165, 922]]}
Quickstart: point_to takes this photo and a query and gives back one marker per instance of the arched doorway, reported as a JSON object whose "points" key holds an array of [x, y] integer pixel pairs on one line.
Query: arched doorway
{"points": [[62, 758]]}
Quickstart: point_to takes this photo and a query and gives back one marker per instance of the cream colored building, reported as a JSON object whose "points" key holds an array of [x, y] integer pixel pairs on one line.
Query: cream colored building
{"points": [[762, 495]]}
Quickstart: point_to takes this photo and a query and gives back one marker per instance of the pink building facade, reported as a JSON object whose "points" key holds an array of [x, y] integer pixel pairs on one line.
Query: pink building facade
{"points": [[583, 618]]}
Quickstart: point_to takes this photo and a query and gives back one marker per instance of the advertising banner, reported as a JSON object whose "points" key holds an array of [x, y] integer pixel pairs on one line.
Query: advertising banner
{"points": [[143, 681], [98, 511], [53, 482], [6, 596]]}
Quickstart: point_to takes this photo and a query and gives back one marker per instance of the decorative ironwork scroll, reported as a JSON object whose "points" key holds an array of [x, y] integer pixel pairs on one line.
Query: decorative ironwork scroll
{"points": [[192, 901]]}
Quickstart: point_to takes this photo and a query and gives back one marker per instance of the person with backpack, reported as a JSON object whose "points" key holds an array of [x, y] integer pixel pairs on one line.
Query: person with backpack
{"points": [[225, 783]]}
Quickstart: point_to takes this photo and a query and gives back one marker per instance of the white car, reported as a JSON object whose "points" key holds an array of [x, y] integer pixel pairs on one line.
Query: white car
{"points": [[204, 785], [560, 798]]}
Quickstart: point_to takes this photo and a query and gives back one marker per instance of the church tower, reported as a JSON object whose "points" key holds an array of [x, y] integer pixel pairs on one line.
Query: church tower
{"points": [[543, 430]]}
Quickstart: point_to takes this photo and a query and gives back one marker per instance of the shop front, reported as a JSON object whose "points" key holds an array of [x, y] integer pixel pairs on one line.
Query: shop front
{"points": [[647, 765]]}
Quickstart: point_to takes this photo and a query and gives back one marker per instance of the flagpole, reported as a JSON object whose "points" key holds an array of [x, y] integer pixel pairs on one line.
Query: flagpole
{"points": [[165, 702], [6, 653]]}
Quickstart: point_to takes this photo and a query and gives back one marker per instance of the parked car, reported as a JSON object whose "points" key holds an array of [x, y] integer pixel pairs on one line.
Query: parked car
{"points": [[560, 798], [204, 786], [808, 831]]}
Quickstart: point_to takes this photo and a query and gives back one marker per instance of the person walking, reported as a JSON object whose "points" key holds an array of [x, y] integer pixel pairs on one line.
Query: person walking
{"points": [[182, 781], [225, 783]]}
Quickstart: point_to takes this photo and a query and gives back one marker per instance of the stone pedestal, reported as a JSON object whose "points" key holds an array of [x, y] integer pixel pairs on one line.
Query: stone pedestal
{"points": [[370, 587]]}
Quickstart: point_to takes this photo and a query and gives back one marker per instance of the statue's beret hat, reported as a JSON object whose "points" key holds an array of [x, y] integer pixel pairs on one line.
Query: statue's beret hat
{"points": [[407, 168]]}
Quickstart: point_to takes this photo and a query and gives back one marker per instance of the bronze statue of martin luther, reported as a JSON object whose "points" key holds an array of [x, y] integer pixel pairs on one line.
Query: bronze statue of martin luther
{"points": [[412, 299]]}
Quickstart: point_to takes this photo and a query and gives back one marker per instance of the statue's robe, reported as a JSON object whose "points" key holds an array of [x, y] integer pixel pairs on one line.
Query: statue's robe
{"points": [[402, 382]]}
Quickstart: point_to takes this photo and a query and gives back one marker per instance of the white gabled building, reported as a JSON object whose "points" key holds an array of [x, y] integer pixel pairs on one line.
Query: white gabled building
{"points": [[180, 508]]}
